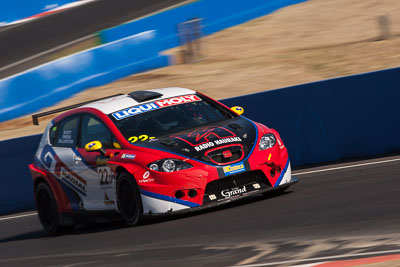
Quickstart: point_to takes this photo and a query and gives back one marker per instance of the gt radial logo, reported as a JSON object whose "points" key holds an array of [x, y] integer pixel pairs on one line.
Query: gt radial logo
{"points": [[52, 163], [73, 181], [233, 192], [132, 111]]}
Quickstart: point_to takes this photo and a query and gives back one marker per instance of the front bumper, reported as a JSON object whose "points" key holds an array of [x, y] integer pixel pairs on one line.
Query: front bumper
{"points": [[244, 195]]}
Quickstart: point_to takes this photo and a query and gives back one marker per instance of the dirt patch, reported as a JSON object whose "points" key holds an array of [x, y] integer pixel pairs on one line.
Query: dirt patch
{"points": [[381, 264], [315, 40]]}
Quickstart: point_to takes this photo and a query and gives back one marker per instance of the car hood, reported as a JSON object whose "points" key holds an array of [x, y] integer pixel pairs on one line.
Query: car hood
{"points": [[220, 143]]}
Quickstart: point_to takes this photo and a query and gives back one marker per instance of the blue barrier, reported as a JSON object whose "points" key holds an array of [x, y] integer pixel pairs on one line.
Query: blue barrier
{"points": [[52, 82], [337, 119], [216, 15], [16, 187], [20, 9]]}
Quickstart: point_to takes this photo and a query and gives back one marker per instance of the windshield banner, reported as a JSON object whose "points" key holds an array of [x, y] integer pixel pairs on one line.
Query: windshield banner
{"points": [[132, 111]]}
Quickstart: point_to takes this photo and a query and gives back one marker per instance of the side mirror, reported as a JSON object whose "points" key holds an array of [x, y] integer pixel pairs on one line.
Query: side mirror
{"points": [[238, 110], [95, 146]]}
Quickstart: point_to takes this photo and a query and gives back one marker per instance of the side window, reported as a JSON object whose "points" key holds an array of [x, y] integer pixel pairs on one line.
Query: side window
{"points": [[67, 132], [94, 130]]}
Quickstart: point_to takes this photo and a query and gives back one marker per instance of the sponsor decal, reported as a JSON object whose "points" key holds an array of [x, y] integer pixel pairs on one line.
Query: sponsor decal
{"points": [[256, 186], [201, 139], [66, 137], [54, 165], [49, 161], [233, 192], [227, 140], [132, 111], [128, 156], [177, 100], [73, 181], [212, 197], [269, 157], [234, 168], [146, 178], [204, 146], [218, 142], [105, 176]]}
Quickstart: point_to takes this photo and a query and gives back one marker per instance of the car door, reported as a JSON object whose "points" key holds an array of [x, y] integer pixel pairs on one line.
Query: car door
{"points": [[61, 159], [92, 165]]}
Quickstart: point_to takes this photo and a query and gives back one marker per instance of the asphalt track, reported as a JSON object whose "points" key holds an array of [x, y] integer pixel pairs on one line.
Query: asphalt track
{"points": [[333, 212], [25, 40]]}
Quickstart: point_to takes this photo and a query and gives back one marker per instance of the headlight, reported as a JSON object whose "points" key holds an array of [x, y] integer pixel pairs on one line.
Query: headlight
{"points": [[169, 165], [267, 141]]}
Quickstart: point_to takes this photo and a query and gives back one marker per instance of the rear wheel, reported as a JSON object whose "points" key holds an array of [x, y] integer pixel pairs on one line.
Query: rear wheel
{"points": [[47, 210], [129, 200]]}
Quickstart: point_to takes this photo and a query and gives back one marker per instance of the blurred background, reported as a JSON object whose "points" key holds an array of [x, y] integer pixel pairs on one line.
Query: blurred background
{"points": [[310, 41]]}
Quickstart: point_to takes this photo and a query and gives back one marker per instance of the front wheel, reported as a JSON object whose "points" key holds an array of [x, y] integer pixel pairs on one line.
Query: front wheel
{"points": [[129, 200]]}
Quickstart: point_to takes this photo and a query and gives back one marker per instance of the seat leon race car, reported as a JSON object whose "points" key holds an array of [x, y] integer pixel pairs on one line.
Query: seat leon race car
{"points": [[152, 152]]}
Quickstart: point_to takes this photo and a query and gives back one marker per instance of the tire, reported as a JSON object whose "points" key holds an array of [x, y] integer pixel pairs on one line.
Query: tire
{"points": [[129, 200], [47, 209]]}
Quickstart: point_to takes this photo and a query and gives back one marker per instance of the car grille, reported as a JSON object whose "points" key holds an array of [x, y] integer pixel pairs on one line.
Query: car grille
{"points": [[237, 184], [217, 156]]}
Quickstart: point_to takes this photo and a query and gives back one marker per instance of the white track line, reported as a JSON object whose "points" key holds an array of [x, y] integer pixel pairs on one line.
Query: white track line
{"points": [[47, 12], [323, 258], [18, 216], [347, 167], [160, 11]]}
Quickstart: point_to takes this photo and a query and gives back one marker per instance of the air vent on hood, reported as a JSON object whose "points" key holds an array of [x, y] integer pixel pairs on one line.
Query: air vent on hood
{"points": [[226, 155], [167, 142], [235, 126]]}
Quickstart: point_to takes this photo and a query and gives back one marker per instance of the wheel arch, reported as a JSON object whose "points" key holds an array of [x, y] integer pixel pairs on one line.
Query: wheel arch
{"points": [[62, 201], [132, 169]]}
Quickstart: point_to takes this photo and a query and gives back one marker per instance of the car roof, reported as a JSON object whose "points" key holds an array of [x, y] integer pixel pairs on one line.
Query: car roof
{"points": [[116, 103]]}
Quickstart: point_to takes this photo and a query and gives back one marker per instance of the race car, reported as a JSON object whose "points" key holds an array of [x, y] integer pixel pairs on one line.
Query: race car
{"points": [[152, 152]]}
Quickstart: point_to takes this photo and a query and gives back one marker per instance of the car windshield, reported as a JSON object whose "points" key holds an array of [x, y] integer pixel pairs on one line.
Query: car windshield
{"points": [[172, 119]]}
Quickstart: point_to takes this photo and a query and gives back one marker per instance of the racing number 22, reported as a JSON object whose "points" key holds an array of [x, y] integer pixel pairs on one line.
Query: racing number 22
{"points": [[105, 175], [142, 137]]}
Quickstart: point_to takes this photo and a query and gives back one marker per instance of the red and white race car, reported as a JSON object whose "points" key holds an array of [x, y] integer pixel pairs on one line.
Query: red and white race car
{"points": [[152, 152]]}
